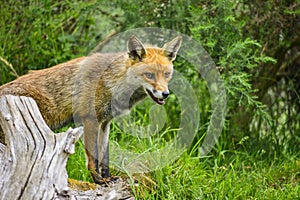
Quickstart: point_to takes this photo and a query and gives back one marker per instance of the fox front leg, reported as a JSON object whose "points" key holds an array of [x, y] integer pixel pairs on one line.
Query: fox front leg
{"points": [[91, 128], [96, 147], [103, 150]]}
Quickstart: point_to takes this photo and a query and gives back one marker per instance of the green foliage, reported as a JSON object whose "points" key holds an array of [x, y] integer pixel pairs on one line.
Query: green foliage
{"points": [[219, 30], [277, 84], [164, 14], [219, 27], [40, 34]]}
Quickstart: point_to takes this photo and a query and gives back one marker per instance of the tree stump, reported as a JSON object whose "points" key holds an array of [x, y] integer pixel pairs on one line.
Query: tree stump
{"points": [[33, 161]]}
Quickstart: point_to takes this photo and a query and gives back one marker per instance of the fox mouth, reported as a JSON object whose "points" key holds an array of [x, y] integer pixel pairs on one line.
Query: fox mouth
{"points": [[157, 100]]}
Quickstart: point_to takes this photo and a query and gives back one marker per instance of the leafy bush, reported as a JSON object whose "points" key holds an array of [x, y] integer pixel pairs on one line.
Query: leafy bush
{"points": [[40, 34]]}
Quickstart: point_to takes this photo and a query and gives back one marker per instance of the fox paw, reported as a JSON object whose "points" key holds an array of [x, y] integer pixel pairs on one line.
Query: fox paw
{"points": [[108, 180], [98, 179]]}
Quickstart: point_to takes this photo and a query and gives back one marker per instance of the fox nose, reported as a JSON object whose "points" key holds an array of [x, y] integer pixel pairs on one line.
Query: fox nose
{"points": [[165, 94]]}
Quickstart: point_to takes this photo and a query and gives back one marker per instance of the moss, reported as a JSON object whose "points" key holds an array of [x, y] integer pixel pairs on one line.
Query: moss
{"points": [[81, 185]]}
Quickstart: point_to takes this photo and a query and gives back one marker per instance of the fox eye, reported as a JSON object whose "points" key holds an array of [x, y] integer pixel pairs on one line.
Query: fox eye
{"points": [[167, 74], [149, 75]]}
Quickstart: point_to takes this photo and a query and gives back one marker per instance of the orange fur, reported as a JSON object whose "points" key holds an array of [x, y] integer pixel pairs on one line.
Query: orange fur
{"points": [[95, 89]]}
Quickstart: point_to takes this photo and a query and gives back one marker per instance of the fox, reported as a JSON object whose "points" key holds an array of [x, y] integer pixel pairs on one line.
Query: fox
{"points": [[95, 89]]}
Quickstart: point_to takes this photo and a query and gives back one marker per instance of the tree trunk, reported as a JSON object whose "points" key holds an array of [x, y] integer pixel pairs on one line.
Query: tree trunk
{"points": [[33, 161]]}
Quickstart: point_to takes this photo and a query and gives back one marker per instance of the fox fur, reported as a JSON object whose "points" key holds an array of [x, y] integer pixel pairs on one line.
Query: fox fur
{"points": [[95, 89]]}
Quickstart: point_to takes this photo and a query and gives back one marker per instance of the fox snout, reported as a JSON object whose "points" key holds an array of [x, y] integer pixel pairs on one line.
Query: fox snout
{"points": [[165, 94], [161, 94], [158, 96]]}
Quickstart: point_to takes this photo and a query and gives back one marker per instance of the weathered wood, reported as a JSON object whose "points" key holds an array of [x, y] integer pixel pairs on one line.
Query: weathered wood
{"points": [[2, 148], [33, 161]]}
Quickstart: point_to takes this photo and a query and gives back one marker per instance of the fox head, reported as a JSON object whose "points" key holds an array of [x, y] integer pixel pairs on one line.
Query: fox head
{"points": [[152, 67]]}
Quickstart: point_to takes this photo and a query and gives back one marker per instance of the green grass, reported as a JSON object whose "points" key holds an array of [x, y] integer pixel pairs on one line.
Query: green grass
{"points": [[192, 178], [231, 175], [76, 165], [239, 173]]}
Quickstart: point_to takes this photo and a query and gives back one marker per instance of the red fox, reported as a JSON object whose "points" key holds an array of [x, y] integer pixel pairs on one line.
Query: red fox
{"points": [[97, 88]]}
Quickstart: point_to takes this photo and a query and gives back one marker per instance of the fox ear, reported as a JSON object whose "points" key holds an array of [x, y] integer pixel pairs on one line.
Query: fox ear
{"points": [[171, 48], [135, 48]]}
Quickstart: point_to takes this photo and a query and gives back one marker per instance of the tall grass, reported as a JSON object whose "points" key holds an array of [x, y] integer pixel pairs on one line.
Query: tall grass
{"points": [[227, 174]]}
